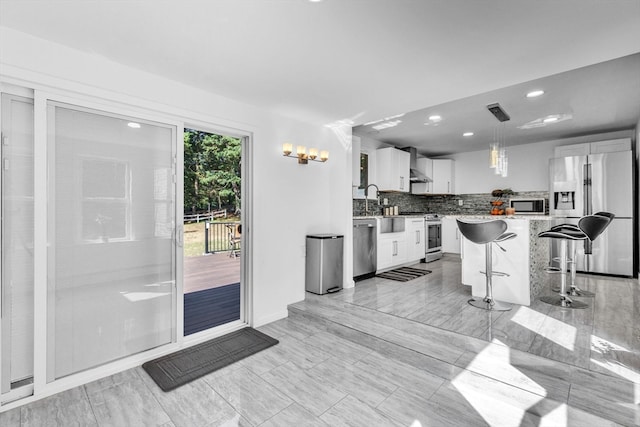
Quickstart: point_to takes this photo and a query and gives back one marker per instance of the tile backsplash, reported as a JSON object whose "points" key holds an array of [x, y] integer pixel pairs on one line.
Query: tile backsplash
{"points": [[472, 204]]}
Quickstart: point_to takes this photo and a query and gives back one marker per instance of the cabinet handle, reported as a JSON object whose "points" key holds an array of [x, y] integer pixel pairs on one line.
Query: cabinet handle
{"points": [[402, 182], [448, 186], [395, 247], [417, 237]]}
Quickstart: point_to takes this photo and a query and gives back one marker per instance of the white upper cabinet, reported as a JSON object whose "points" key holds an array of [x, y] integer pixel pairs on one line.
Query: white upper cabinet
{"points": [[440, 173], [392, 169], [443, 176], [623, 144], [584, 149], [572, 150]]}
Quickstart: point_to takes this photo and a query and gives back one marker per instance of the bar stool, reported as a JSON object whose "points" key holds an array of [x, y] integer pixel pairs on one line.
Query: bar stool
{"points": [[574, 290], [487, 233], [589, 227]]}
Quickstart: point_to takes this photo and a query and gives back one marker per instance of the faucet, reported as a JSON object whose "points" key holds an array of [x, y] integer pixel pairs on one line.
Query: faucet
{"points": [[366, 197]]}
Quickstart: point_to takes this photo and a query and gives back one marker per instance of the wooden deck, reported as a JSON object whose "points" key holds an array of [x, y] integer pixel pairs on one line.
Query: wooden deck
{"points": [[210, 271]]}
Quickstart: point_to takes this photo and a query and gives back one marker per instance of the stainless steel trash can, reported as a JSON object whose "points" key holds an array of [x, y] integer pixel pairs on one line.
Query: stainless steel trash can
{"points": [[324, 265]]}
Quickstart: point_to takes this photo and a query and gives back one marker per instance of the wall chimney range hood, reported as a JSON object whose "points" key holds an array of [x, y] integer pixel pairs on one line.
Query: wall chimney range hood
{"points": [[415, 175]]}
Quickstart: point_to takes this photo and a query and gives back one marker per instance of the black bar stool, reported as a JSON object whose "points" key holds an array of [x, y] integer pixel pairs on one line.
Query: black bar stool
{"points": [[487, 233], [574, 290], [589, 227]]}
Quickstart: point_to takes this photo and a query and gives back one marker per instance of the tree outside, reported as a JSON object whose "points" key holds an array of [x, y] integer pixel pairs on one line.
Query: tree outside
{"points": [[212, 178]]}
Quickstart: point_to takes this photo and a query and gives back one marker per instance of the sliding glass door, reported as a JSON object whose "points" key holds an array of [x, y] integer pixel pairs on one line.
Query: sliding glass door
{"points": [[91, 262], [16, 296], [111, 221]]}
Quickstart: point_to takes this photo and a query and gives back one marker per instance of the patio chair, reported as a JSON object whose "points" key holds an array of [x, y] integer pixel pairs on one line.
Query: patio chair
{"points": [[234, 233]]}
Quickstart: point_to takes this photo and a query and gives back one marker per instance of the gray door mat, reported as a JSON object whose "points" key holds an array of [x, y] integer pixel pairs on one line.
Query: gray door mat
{"points": [[176, 369], [403, 274]]}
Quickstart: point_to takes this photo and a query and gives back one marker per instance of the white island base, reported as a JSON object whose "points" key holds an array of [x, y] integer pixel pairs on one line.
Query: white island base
{"points": [[524, 260]]}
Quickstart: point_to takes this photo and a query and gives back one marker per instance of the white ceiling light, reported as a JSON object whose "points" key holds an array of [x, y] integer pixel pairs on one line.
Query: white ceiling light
{"points": [[544, 121], [134, 125], [435, 118], [535, 93], [388, 124], [467, 134], [382, 120]]}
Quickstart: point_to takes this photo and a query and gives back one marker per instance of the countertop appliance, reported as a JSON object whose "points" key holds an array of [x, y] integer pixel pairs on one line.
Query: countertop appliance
{"points": [[433, 232], [528, 206], [324, 263], [364, 248], [584, 185]]}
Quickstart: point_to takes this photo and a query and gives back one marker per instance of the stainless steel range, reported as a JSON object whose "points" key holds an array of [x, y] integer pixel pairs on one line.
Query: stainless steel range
{"points": [[433, 231]]}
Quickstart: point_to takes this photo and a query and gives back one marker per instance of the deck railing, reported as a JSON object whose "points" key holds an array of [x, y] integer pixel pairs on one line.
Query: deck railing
{"points": [[217, 239]]}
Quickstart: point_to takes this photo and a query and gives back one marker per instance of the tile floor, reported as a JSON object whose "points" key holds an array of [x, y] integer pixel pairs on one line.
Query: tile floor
{"points": [[384, 354]]}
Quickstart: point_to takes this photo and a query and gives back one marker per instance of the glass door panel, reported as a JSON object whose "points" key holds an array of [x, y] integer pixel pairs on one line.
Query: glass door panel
{"points": [[111, 255], [213, 250], [16, 296]]}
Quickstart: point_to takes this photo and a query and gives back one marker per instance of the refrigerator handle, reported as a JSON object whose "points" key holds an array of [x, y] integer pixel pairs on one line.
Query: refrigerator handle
{"points": [[586, 190]]}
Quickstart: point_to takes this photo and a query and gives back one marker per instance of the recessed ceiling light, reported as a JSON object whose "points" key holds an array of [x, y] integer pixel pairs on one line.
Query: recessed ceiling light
{"points": [[435, 118], [535, 93], [134, 125], [551, 119], [467, 134]]}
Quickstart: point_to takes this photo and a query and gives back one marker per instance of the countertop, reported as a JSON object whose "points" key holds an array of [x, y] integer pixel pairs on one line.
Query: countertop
{"points": [[389, 216], [507, 217], [467, 216]]}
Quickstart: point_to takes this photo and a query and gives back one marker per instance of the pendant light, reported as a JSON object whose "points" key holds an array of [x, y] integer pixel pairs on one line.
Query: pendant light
{"points": [[497, 150]]}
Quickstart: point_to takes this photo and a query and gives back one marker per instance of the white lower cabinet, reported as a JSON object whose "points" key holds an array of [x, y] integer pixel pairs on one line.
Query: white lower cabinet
{"points": [[415, 239], [450, 236], [392, 250]]}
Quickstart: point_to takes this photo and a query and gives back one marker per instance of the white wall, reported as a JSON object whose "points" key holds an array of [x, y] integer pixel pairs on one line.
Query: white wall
{"points": [[528, 166], [290, 200], [528, 170]]}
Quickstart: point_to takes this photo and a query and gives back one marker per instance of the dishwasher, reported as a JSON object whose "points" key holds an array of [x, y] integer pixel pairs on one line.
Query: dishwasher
{"points": [[364, 248]]}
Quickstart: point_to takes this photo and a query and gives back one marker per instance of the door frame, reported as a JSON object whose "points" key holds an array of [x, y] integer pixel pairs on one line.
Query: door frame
{"points": [[246, 302], [173, 116]]}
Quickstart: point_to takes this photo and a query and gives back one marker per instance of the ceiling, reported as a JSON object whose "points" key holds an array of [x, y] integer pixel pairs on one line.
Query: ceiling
{"points": [[357, 61], [600, 98]]}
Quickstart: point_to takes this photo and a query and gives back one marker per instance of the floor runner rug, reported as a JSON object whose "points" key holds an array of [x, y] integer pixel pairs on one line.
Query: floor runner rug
{"points": [[176, 369], [403, 274]]}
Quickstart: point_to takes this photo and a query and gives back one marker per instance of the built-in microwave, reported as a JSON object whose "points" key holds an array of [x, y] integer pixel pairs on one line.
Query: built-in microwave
{"points": [[528, 206]]}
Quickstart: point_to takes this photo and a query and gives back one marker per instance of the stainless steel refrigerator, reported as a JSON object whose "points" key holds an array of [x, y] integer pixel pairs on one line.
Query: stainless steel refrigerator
{"points": [[583, 185]]}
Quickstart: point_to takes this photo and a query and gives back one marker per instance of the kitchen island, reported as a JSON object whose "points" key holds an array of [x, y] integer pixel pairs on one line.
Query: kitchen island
{"points": [[525, 258]]}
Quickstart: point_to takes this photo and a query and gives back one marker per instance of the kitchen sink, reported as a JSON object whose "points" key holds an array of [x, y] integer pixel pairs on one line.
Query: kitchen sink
{"points": [[392, 225]]}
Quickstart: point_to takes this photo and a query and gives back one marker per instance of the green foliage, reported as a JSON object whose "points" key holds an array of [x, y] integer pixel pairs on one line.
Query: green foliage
{"points": [[211, 171]]}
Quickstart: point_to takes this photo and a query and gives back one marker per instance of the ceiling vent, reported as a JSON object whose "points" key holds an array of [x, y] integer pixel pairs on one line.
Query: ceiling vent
{"points": [[497, 111]]}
